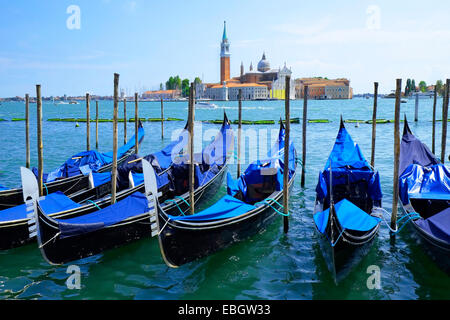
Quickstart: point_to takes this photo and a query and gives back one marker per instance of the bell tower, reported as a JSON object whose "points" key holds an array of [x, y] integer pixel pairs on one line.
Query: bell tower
{"points": [[224, 56]]}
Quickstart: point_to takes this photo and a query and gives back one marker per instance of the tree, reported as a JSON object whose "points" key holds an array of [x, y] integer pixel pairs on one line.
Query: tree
{"points": [[161, 87], [197, 80], [408, 87], [174, 83], [439, 87], [185, 87], [413, 85], [422, 86]]}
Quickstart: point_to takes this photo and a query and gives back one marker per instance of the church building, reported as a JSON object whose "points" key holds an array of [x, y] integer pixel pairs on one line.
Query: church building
{"points": [[260, 84]]}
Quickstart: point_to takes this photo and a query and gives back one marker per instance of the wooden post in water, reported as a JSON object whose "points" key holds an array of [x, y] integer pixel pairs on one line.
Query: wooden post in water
{"points": [[88, 124], [191, 148], [374, 123], [433, 133], [162, 119], [114, 163], [416, 112], [136, 123], [27, 130], [40, 145], [124, 121], [239, 134], [398, 92], [96, 124], [305, 113], [444, 121], [286, 155]]}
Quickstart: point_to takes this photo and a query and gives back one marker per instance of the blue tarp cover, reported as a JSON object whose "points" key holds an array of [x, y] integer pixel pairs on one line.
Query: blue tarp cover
{"points": [[348, 166], [425, 182], [413, 151], [226, 207], [134, 205], [54, 202], [350, 217], [253, 176], [101, 178], [437, 225], [3, 188], [89, 161]]}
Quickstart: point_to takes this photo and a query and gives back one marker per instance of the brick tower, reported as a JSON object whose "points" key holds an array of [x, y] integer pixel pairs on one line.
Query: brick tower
{"points": [[224, 56]]}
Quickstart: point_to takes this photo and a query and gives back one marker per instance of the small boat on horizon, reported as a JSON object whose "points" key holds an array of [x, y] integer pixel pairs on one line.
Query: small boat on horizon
{"points": [[205, 105]]}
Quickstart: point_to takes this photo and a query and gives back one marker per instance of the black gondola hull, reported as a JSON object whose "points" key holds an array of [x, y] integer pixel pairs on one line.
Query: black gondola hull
{"points": [[181, 243], [62, 250]]}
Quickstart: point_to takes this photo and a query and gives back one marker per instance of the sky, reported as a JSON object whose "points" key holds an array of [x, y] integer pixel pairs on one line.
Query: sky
{"points": [[147, 41]]}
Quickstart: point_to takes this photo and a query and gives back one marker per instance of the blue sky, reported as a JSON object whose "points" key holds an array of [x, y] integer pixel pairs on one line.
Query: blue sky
{"points": [[148, 41]]}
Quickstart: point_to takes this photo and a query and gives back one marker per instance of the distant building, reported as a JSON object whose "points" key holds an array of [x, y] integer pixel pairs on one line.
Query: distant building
{"points": [[162, 94], [263, 83], [320, 88]]}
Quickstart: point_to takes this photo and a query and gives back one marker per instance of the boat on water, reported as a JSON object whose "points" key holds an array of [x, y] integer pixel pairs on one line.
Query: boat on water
{"points": [[92, 228], [249, 206], [424, 192], [348, 197], [83, 178], [205, 105], [73, 102]]}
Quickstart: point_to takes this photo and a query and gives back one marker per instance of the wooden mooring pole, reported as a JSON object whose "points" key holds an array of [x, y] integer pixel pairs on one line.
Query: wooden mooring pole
{"points": [[88, 124], [433, 132], [114, 164], [191, 149], [136, 123], [374, 124], [396, 153], [40, 146], [96, 125], [305, 120], [416, 109], [162, 119], [239, 134], [124, 121], [27, 130], [444, 121], [286, 155]]}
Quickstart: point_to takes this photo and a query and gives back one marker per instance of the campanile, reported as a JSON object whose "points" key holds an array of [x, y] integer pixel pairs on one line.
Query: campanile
{"points": [[224, 56]]}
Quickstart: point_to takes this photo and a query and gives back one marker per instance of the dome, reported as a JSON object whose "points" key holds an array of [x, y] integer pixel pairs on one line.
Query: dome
{"points": [[263, 65]]}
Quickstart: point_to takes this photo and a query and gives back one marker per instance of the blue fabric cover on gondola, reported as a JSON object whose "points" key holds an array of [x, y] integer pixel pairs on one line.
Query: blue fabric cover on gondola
{"points": [[226, 207], [86, 161], [350, 217], [425, 182], [101, 178], [413, 151], [349, 166], [437, 225], [254, 174], [54, 202], [133, 205], [3, 188], [161, 180]]}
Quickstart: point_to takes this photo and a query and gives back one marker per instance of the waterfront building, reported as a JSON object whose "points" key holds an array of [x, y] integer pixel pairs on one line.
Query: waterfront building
{"points": [[322, 88], [262, 83], [162, 94]]}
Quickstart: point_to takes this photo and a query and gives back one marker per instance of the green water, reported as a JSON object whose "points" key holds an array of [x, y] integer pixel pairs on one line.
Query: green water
{"points": [[271, 265]]}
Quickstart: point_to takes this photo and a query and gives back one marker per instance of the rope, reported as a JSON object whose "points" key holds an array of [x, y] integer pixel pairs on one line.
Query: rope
{"points": [[42, 245], [164, 226], [266, 202], [171, 200], [46, 190], [411, 215], [94, 204], [335, 243]]}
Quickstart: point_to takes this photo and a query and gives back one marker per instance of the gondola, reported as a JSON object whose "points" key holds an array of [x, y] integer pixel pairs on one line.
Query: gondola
{"points": [[424, 192], [348, 195], [89, 230], [14, 221], [72, 176], [250, 205]]}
